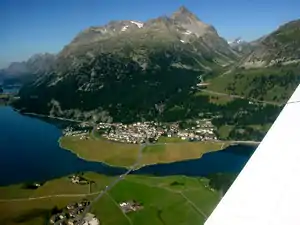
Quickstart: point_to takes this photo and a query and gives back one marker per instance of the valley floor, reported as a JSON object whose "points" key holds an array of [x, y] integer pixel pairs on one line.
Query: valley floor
{"points": [[165, 200], [125, 155]]}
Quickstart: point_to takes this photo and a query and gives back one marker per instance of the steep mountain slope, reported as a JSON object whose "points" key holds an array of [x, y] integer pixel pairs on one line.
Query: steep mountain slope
{"points": [[183, 31], [281, 46], [128, 70], [271, 71]]}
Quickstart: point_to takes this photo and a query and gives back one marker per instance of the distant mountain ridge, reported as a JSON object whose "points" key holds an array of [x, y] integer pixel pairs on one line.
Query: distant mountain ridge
{"points": [[270, 71], [180, 29], [236, 41], [241, 46], [26, 70], [281, 46]]}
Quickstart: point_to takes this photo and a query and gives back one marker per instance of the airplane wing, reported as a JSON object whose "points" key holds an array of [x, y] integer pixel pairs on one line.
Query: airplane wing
{"points": [[267, 191]]}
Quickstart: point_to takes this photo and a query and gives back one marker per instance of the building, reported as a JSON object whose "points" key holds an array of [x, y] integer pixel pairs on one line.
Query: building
{"points": [[90, 219], [130, 206]]}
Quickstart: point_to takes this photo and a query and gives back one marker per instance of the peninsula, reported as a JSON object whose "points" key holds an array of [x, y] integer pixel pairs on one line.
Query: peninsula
{"points": [[125, 155], [120, 144]]}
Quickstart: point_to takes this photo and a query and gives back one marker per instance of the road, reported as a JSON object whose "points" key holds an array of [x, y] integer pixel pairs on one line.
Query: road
{"points": [[101, 193], [236, 142], [121, 177], [48, 196], [54, 117], [218, 141], [241, 97], [246, 142], [193, 204], [132, 168]]}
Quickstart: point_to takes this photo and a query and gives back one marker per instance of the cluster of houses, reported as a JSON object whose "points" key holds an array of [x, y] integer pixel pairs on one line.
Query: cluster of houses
{"points": [[75, 179], [130, 206], [140, 132], [72, 215], [71, 131], [203, 131], [131, 133]]}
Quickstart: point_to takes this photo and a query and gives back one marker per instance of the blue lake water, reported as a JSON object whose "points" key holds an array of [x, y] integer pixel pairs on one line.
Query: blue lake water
{"points": [[29, 151]]}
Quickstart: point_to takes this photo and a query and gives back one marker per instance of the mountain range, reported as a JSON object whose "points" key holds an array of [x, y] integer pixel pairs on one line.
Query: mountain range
{"points": [[241, 46], [270, 71], [21, 72], [281, 46], [131, 70]]}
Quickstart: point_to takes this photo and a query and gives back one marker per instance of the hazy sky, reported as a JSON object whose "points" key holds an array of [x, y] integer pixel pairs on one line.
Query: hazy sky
{"points": [[35, 26]]}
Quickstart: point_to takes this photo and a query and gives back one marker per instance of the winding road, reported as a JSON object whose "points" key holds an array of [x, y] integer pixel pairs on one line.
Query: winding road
{"points": [[240, 97]]}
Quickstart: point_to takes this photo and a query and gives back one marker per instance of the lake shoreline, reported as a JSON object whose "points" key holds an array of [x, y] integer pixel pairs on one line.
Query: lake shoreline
{"points": [[124, 167], [40, 156], [85, 159], [46, 116], [230, 142], [101, 150]]}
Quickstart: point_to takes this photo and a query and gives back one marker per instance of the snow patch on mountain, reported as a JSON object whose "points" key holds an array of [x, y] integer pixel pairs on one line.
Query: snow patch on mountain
{"points": [[124, 28], [236, 41], [188, 32], [139, 24]]}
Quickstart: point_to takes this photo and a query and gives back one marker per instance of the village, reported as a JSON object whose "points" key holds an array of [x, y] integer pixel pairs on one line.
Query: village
{"points": [[73, 215], [140, 132]]}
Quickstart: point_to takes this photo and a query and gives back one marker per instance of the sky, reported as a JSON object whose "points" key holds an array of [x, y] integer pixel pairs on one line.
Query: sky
{"points": [[37, 26]]}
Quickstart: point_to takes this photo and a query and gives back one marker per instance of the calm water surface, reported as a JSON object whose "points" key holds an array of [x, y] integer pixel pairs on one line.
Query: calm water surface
{"points": [[29, 151]]}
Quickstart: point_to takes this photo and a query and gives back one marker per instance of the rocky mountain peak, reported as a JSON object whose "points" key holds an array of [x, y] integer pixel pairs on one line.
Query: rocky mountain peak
{"points": [[186, 19], [183, 15], [183, 10], [182, 21]]}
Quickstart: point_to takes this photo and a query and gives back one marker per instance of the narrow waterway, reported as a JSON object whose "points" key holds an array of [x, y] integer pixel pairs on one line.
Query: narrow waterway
{"points": [[29, 151]]}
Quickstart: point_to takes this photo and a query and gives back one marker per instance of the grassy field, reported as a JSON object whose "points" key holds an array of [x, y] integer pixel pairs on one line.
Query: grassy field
{"points": [[13, 191], [100, 150], [173, 152], [166, 200], [163, 139], [119, 154], [224, 131], [215, 99], [264, 128], [275, 84]]}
